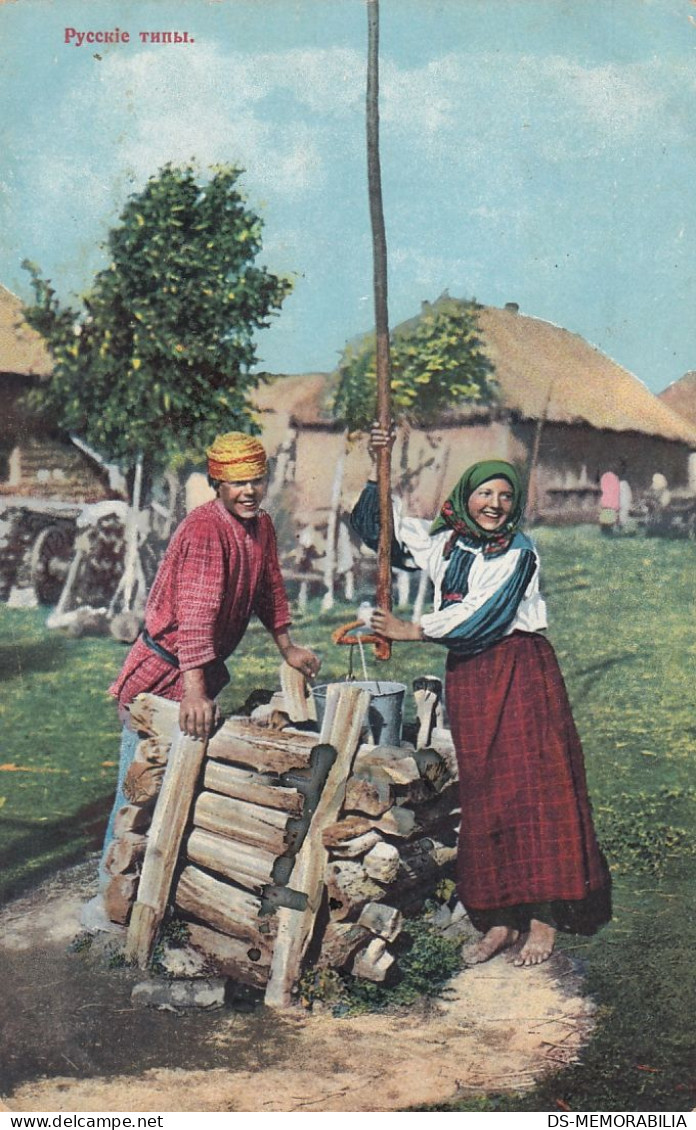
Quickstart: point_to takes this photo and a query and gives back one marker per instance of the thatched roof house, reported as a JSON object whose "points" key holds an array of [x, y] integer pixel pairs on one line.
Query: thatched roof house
{"points": [[35, 460], [22, 349], [563, 408], [680, 397]]}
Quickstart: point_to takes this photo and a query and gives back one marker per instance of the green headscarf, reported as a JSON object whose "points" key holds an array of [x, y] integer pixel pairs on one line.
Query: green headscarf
{"points": [[455, 515]]}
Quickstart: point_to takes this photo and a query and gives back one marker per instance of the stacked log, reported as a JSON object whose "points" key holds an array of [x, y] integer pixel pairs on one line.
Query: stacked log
{"points": [[243, 821], [391, 845], [248, 821], [141, 786], [235, 843], [267, 839]]}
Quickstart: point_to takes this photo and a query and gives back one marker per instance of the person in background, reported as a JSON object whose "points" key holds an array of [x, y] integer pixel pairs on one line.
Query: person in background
{"points": [[609, 502], [528, 860]]}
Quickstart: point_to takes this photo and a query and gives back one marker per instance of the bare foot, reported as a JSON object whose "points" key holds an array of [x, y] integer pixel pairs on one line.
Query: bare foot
{"points": [[497, 939], [538, 946]]}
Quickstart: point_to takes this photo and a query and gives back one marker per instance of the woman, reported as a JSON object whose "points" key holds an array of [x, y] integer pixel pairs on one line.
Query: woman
{"points": [[528, 861]]}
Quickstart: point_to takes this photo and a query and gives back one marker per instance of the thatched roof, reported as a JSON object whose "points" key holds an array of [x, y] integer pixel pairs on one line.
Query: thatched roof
{"points": [[539, 364], [22, 350], [541, 371], [681, 397]]}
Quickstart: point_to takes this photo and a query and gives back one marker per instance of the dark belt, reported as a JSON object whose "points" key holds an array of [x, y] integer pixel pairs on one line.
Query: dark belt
{"points": [[167, 656]]}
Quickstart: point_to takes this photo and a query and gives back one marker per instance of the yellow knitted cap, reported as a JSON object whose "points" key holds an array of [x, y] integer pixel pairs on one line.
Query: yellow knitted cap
{"points": [[236, 458]]}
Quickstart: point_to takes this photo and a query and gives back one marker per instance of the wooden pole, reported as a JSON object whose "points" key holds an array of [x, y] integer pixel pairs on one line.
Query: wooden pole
{"points": [[532, 486], [166, 832], [383, 357], [129, 576], [346, 707]]}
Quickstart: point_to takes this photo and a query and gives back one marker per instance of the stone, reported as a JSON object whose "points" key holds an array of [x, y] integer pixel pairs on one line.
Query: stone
{"points": [[441, 917], [381, 919], [382, 862], [374, 962], [206, 994]]}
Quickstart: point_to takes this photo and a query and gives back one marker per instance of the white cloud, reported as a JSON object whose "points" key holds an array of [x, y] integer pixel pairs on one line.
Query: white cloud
{"points": [[460, 106], [282, 115]]}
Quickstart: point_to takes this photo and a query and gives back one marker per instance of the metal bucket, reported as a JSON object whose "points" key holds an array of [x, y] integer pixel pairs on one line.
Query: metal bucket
{"points": [[384, 714]]}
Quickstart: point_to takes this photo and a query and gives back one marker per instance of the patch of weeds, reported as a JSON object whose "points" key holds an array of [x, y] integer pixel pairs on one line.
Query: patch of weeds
{"points": [[639, 832], [445, 890], [425, 964], [324, 986], [173, 935], [426, 961], [82, 944], [115, 957]]}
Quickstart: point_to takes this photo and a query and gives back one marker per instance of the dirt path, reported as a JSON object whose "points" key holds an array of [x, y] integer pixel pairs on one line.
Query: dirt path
{"points": [[73, 1041]]}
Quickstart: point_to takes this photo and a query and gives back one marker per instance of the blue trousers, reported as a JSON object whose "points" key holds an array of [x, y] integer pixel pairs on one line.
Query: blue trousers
{"points": [[129, 744]]}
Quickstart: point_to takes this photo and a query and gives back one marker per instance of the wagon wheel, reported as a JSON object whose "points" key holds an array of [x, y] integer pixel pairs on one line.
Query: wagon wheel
{"points": [[49, 562]]}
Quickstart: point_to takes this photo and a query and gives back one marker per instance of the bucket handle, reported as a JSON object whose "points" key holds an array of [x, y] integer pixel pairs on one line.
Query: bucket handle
{"points": [[341, 636]]}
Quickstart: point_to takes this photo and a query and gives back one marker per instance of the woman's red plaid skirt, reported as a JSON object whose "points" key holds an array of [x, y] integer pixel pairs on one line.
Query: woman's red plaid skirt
{"points": [[527, 846]]}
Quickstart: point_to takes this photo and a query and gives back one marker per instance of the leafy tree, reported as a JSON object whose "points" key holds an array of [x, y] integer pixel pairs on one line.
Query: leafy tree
{"points": [[158, 358], [437, 361]]}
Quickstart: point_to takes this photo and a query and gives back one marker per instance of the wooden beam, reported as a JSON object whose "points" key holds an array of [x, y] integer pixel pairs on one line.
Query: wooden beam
{"points": [[299, 703], [118, 897], [238, 739], [154, 750], [349, 888], [340, 943], [346, 708], [231, 957], [255, 788], [125, 853], [158, 717], [382, 862], [382, 349], [250, 867], [142, 782], [244, 823], [224, 907], [245, 744], [131, 818], [374, 962], [164, 840], [357, 847], [372, 797], [385, 921]]}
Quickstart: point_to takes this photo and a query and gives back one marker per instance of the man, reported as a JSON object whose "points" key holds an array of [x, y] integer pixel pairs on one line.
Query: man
{"points": [[220, 568]]}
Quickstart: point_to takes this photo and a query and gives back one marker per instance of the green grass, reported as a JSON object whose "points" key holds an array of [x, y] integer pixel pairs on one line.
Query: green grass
{"points": [[621, 614], [59, 747]]}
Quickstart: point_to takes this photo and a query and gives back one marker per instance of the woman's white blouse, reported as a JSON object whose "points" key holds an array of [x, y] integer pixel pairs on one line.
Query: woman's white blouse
{"points": [[490, 582]]}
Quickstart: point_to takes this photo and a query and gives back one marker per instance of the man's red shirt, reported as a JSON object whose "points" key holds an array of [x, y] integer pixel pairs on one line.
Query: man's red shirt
{"points": [[217, 571]]}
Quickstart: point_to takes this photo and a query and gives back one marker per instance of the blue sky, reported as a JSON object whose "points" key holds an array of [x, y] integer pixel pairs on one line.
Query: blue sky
{"points": [[536, 151]]}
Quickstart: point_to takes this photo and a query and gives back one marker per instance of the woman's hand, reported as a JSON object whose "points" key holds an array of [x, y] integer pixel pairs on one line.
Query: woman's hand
{"points": [[392, 628], [380, 438]]}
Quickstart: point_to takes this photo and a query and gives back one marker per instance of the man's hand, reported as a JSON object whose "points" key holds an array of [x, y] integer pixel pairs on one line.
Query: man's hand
{"points": [[392, 628], [198, 714], [303, 660]]}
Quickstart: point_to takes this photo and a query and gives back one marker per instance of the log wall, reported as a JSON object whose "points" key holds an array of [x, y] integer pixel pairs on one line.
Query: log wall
{"points": [[291, 838]]}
